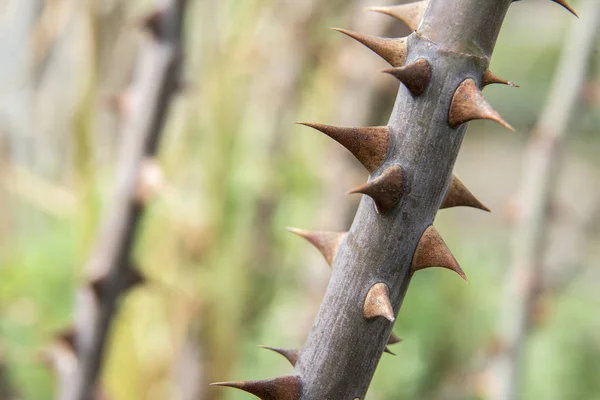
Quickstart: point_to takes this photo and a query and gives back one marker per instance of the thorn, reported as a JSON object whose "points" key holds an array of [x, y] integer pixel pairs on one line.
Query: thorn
{"points": [[415, 76], [151, 181], [392, 50], [68, 337], [377, 303], [328, 243], [119, 103], [489, 78], [458, 195], [433, 252], [468, 104], [283, 388], [387, 350], [290, 354], [385, 190], [130, 278], [566, 6], [394, 339], [411, 13], [369, 145], [152, 22]]}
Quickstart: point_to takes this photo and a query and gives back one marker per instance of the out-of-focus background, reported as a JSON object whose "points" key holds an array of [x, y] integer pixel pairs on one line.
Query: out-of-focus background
{"points": [[223, 274]]}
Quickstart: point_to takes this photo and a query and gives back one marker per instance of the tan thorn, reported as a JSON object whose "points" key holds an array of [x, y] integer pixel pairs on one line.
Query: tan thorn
{"points": [[369, 145], [411, 13], [566, 6], [291, 355], [283, 388], [387, 350], [394, 339], [415, 76], [328, 243], [150, 181], [392, 50], [119, 103], [458, 195], [489, 78], [386, 190], [469, 104], [433, 252], [377, 303], [68, 338]]}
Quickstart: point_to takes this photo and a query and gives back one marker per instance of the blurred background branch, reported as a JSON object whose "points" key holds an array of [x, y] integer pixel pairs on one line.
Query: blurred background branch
{"points": [[542, 170]]}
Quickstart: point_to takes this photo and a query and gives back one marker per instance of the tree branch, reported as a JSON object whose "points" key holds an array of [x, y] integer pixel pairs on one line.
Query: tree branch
{"points": [[110, 269]]}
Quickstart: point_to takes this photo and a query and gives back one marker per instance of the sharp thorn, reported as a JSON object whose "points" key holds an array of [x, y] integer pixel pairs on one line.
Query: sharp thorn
{"points": [[489, 78], [328, 243], [392, 50], [411, 13], [432, 251], [377, 303], [415, 76], [386, 190], [283, 388], [369, 145], [394, 339], [566, 6], [387, 350], [469, 104], [458, 195], [290, 354]]}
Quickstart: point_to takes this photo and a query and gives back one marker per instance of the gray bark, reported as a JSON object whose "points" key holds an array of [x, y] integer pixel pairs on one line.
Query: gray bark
{"points": [[343, 348]]}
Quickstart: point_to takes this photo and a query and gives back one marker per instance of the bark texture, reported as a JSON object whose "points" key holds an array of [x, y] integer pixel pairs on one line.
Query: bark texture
{"points": [[343, 348]]}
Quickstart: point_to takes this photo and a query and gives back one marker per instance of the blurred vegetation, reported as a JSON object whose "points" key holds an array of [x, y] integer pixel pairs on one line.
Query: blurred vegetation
{"points": [[223, 274]]}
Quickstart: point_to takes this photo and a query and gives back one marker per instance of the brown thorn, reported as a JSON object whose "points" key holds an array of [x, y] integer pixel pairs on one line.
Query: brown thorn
{"points": [[328, 243], [489, 78], [386, 190], [469, 104], [392, 50], [394, 339], [152, 22], [459, 195], [369, 145], [432, 251], [411, 13], [290, 354], [387, 350], [377, 303], [68, 337], [283, 388], [415, 76], [566, 6]]}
